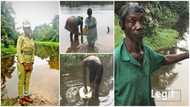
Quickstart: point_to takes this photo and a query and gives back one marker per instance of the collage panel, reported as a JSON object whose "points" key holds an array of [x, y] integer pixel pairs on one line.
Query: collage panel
{"points": [[29, 53], [86, 27], [94, 53], [151, 53], [86, 80]]}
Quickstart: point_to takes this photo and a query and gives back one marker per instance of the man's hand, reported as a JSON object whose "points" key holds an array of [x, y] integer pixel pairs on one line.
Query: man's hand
{"points": [[173, 58]]}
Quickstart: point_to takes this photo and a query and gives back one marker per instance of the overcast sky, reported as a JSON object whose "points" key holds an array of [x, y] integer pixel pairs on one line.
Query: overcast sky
{"points": [[36, 12]]}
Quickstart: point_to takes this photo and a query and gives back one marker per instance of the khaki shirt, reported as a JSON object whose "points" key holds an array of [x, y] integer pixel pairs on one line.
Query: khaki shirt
{"points": [[25, 49]]}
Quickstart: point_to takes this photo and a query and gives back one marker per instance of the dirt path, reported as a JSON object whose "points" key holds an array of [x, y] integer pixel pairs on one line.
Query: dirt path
{"points": [[37, 101]]}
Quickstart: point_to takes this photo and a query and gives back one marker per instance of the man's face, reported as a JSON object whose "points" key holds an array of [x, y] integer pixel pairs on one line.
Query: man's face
{"points": [[134, 26]]}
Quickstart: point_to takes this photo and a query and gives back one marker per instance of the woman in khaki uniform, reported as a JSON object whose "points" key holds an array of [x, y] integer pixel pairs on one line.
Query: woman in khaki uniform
{"points": [[25, 58]]}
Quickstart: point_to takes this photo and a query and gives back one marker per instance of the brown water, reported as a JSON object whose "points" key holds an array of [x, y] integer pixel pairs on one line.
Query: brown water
{"points": [[173, 78], [44, 80], [71, 80], [104, 18]]}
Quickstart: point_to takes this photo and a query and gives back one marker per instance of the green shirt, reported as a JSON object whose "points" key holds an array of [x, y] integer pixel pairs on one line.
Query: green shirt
{"points": [[133, 80]]}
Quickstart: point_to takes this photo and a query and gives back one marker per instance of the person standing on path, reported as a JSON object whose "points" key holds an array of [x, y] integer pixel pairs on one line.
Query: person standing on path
{"points": [[25, 60]]}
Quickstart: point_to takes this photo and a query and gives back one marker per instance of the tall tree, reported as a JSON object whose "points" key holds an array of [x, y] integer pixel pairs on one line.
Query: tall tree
{"points": [[48, 32], [8, 32]]}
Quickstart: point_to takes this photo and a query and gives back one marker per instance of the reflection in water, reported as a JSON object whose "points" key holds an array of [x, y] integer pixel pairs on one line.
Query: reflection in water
{"points": [[82, 48], [54, 62], [172, 77], [43, 86], [51, 52], [74, 47], [7, 69], [72, 80], [164, 76]]}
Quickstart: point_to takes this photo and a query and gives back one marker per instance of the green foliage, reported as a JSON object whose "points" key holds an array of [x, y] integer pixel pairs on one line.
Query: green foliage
{"points": [[163, 14], [118, 35], [42, 48], [10, 50], [48, 32], [70, 60], [8, 102], [45, 43], [71, 63], [165, 38], [8, 32], [165, 22], [182, 9], [118, 32]]}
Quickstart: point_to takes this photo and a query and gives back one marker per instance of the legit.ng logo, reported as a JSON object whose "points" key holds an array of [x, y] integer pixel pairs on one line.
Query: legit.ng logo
{"points": [[172, 95]]}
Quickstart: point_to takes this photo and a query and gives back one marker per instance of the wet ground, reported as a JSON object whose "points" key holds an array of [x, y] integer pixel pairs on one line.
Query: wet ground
{"points": [[44, 82]]}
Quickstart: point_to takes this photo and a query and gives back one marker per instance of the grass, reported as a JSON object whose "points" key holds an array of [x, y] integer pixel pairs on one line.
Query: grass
{"points": [[8, 102], [11, 50], [165, 38], [47, 43]]}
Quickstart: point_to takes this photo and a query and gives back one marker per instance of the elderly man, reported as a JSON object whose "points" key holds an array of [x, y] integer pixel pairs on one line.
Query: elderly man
{"points": [[25, 58], [135, 62]]}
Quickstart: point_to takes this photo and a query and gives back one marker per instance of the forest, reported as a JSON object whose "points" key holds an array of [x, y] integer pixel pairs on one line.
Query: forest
{"points": [[45, 34]]}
